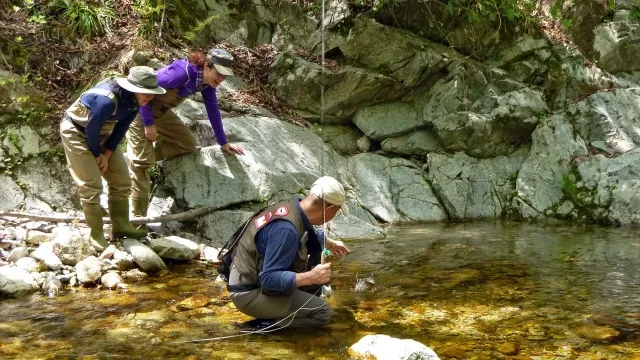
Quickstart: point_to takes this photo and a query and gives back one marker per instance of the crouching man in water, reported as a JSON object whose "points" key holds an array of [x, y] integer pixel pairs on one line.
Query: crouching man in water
{"points": [[270, 262]]}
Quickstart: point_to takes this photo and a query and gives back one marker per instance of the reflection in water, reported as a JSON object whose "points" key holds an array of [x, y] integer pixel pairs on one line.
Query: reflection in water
{"points": [[469, 291]]}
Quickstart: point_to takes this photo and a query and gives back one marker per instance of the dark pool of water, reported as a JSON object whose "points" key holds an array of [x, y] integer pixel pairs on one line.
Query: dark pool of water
{"points": [[470, 291]]}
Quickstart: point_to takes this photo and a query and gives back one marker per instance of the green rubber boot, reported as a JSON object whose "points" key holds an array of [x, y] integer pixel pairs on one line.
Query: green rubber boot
{"points": [[93, 217], [140, 207], [120, 224]]}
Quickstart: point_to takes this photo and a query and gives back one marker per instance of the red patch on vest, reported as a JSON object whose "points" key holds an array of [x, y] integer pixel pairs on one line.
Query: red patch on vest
{"points": [[263, 220], [283, 211]]}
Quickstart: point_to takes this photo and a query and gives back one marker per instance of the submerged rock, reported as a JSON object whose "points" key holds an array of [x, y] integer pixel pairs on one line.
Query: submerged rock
{"points": [[384, 347]]}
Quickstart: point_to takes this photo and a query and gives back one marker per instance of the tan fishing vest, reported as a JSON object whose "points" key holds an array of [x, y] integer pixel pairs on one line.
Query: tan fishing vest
{"points": [[169, 100], [248, 262], [79, 113]]}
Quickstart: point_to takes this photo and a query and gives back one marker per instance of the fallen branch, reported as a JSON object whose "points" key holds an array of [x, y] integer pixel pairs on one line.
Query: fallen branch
{"points": [[187, 215]]}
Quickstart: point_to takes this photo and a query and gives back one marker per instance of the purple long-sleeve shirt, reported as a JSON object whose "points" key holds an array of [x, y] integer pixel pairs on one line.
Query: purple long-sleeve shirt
{"points": [[174, 76]]}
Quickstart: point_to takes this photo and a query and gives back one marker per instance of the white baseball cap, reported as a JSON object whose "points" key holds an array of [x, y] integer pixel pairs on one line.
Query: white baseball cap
{"points": [[331, 191]]}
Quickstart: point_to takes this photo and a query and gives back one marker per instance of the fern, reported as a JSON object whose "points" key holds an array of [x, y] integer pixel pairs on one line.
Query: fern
{"points": [[84, 19]]}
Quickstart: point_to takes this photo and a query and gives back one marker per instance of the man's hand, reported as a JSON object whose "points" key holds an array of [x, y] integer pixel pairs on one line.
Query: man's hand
{"points": [[320, 274], [103, 163], [232, 149], [337, 248], [151, 133]]}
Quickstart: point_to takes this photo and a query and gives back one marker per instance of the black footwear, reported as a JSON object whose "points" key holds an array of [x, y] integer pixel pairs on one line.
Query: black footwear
{"points": [[258, 325]]}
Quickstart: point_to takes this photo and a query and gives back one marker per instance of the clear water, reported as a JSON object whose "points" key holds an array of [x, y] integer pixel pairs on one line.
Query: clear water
{"points": [[469, 291]]}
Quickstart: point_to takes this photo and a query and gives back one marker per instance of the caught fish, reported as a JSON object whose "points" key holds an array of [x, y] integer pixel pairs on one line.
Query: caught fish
{"points": [[364, 284]]}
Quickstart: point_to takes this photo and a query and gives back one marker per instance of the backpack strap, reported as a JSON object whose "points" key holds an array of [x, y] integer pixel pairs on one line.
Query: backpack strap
{"points": [[107, 93]]}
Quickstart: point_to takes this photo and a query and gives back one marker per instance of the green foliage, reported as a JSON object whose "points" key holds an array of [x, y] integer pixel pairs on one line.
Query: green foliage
{"points": [[570, 188], [508, 10], [199, 28], [84, 19], [612, 5], [157, 16]]}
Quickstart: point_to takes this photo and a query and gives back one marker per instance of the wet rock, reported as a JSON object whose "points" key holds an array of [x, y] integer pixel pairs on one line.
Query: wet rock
{"points": [[134, 274], [66, 278], [146, 258], [108, 252], [17, 254], [508, 348], [51, 284], [89, 270], [123, 260], [110, 280], [45, 253], [174, 247], [388, 348], [16, 282], [194, 302], [595, 333], [35, 237], [463, 277], [210, 254]]}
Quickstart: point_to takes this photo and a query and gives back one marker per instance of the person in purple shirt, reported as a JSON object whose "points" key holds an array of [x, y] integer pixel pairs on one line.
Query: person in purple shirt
{"points": [[197, 73]]}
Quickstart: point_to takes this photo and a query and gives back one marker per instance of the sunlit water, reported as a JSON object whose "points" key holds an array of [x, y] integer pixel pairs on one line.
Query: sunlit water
{"points": [[468, 291]]}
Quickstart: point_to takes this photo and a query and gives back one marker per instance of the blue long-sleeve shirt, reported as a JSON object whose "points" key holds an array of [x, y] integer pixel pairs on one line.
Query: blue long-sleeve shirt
{"points": [[100, 111], [277, 242], [174, 76]]}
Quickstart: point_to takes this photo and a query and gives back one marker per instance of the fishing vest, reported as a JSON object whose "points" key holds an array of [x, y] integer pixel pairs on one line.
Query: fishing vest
{"points": [[169, 100], [79, 113], [246, 259]]}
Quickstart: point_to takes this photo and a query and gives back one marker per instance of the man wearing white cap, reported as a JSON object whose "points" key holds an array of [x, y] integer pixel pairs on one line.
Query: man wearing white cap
{"points": [[270, 259]]}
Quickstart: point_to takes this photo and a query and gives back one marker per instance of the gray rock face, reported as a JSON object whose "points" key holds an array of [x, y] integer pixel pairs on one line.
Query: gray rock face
{"points": [[343, 139], [415, 143], [11, 196], [616, 44], [611, 117], [385, 347], [539, 183], [392, 189], [174, 247], [16, 282], [297, 82], [146, 258], [218, 227], [387, 120], [48, 180], [26, 141], [272, 168], [405, 57], [89, 270], [471, 188]]}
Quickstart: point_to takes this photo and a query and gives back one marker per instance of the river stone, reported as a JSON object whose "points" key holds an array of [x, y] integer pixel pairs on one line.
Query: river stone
{"points": [[508, 348], [415, 143], [108, 252], [193, 302], [210, 254], [51, 284], [70, 246], [110, 280], [387, 120], [472, 188], [392, 189], [174, 247], [89, 270], [539, 183], [595, 333], [16, 282], [45, 253], [38, 237], [30, 264], [11, 196], [134, 274], [17, 253], [146, 258], [123, 260], [384, 347]]}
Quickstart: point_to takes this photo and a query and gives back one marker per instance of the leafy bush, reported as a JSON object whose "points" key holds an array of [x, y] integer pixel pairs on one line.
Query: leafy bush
{"points": [[84, 19]]}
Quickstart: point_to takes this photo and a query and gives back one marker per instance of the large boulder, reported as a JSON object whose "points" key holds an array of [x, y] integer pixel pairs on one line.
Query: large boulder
{"points": [[617, 44], [11, 196], [146, 258], [297, 82], [405, 57], [393, 190], [343, 138], [471, 188], [387, 120], [16, 282], [415, 143]]}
